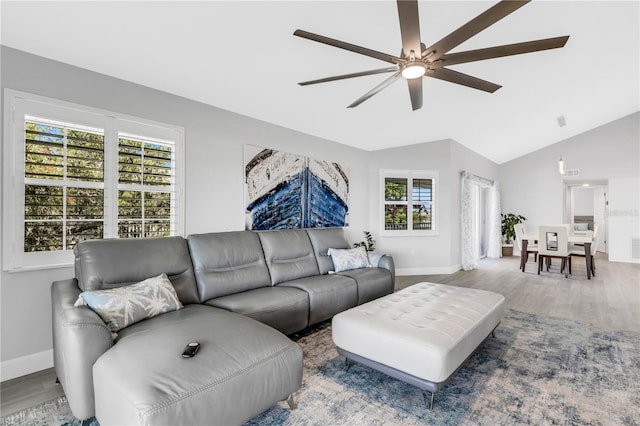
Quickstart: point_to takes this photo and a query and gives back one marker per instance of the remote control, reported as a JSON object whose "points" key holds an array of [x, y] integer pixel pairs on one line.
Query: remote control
{"points": [[190, 350]]}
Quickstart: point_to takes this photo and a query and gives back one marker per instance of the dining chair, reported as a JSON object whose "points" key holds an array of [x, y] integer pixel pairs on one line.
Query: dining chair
{"points": [[553, 242], [579, 251], [531, 247]]}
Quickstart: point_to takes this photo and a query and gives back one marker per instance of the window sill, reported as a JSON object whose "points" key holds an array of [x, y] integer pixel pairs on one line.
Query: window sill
{"points": [[433, 233], [18, 269]]}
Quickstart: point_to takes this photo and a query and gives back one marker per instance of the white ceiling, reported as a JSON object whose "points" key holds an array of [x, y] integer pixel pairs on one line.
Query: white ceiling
{"points": [[242, 56]]}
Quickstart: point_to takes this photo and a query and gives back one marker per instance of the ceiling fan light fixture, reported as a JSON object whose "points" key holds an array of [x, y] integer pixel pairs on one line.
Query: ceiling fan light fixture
{"points": [[416, 60], [414, 70]]}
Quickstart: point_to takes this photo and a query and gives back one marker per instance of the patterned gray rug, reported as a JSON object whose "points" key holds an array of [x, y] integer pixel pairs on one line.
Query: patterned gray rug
{"points": [[536, 370]]}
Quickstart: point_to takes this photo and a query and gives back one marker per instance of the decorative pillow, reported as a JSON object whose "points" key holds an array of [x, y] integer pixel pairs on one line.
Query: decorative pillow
{"points": [[345, 259], [123, 306], [580, 226]]}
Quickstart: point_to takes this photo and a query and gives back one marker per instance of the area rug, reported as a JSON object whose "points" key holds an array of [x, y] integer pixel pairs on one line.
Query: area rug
{"points": [[536, 370]]}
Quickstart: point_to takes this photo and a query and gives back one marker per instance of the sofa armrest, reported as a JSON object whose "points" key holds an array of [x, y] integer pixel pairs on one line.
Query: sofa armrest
{"points": [[80, 337], [386, 262]]}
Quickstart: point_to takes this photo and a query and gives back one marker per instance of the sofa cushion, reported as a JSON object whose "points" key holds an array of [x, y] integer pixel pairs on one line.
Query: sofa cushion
{"points": [[372, 282], [289, 255], [322, 239], [120, 307], [111, 263], [227, 263], [328, 295], [284, 308]]}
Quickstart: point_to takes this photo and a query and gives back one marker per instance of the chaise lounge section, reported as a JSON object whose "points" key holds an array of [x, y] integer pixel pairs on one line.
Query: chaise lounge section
{"points": [[242, 292]]}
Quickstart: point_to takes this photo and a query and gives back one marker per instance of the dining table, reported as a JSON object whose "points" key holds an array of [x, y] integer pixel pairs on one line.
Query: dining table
{"points": [[576, 237]]}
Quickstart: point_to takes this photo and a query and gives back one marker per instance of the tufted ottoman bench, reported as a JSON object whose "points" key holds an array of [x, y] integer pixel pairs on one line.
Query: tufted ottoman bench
{"points": [[421, 335]]}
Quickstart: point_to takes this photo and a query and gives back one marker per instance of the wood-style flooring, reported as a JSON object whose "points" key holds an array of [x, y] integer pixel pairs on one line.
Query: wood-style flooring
{"points": [[610, 300]]}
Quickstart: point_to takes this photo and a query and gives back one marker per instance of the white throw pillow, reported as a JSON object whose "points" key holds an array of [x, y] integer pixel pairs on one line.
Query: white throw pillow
{"points": [[123, 306], [374, 258], [346, 259]]}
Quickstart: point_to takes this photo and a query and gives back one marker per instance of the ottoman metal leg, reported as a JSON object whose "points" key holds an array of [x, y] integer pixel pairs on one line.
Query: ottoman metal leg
{"points": [[428, 398], [347, 364], [291, 402]]}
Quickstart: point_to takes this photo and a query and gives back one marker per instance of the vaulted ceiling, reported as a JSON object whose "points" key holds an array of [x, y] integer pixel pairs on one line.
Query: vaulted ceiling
{"points": [[242, 56]]}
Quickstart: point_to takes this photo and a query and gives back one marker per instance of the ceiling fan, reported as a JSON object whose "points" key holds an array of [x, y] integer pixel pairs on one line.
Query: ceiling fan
{"points": [[416, 60]]}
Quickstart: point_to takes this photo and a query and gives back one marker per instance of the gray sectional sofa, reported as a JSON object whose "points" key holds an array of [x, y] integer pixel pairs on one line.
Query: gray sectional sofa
{"points": [[242, 293]]}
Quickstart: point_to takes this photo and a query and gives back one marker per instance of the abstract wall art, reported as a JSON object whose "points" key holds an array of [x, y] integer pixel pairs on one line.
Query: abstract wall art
{"points": [[284, 191]]}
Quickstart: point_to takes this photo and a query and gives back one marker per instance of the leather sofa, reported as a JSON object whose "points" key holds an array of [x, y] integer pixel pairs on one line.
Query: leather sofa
{"points": [[242, 293]]}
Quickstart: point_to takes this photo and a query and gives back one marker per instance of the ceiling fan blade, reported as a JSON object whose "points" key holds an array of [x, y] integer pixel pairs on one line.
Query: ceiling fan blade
{"points": [[499, 51], [342, 77], [415, 92], [376, 89], [347, 46], [409, 27], [473, 27], [463, 79]]}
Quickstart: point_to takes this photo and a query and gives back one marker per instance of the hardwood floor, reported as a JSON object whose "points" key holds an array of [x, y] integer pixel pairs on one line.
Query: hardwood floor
{"points": [[27, 391], [610, 300]]}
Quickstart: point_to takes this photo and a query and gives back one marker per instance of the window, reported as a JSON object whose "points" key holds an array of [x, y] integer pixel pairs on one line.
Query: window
{"points": [[408, 202], [73, 173], [144, 188], [63, 184]]}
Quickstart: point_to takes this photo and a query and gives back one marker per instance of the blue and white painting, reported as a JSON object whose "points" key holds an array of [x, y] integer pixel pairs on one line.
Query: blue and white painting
{"points": [[284, 191]]}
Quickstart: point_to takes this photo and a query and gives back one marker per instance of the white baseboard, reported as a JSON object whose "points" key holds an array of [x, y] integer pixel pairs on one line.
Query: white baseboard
{"points": [[28, 364], [428, 271]]}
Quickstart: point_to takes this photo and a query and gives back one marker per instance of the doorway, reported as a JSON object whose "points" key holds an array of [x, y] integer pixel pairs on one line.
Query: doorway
{"points": [[587, 204]]}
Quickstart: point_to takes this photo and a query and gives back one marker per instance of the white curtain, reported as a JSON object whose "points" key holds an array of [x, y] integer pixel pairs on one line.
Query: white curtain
{"points": [[468, 206], [494, 241], [468, 228]]}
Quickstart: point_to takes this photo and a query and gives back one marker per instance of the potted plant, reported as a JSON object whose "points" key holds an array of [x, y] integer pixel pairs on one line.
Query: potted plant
{"points": [[508, 222], [369, 244]]}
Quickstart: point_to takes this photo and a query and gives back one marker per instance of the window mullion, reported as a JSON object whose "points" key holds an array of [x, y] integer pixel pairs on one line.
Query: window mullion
{"points": [[409, 204], [111, 178], [144, 216], [65, 141], [143, 192]]}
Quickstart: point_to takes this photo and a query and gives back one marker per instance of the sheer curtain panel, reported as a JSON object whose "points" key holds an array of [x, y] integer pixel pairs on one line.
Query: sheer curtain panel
{"points": [[470, 206]]}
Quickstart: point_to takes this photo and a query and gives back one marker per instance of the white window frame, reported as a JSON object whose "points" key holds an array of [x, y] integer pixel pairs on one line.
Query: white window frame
{"points": [[410, 175], [17, 105]]}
